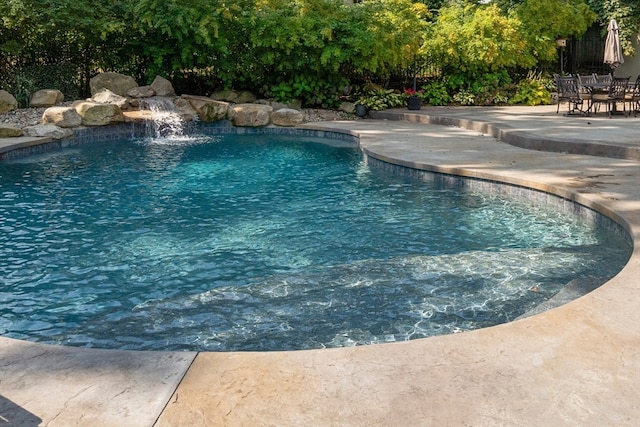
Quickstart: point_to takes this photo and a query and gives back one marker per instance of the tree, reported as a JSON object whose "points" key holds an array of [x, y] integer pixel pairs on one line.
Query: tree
{"points": [[61, 38], [626, 13], [175, 35], [543, 21], [509, 33], [476, 38]]}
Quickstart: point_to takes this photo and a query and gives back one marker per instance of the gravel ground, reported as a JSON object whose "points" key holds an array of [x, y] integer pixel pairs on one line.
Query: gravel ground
{"points": [[22, 117]]}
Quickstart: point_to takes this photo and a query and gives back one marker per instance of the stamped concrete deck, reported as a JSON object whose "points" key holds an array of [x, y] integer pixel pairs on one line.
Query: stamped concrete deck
{"points": [[576, 365]]}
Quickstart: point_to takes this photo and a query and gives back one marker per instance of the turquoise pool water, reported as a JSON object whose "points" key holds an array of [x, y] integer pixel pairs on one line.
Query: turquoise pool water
{"points": [[242, 242]]}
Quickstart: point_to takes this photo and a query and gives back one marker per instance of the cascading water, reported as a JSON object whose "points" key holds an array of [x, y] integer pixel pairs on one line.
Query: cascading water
{"points": [[164, 121]]}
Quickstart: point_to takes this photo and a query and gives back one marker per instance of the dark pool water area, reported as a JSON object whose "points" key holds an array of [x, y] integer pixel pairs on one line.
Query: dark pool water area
{"points": [[244, 242]]}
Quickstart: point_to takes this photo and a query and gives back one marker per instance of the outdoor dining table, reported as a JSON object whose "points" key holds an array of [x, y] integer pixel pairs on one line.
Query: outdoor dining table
{"points": [[594, 88]]}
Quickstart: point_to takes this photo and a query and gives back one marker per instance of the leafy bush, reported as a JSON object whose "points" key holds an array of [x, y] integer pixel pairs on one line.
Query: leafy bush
{"points": [[314, 92], [532, 90], [471, 37], [24, 81], [465, 97], [380, 99], [485, 88], [435, 93]]}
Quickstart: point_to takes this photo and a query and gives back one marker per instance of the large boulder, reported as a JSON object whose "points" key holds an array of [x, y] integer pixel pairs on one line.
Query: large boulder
{"points": [[184, 108], [117, 83], [105, 96], [230, 95], [226, 95], [96, 114], [208, 109], [46, 98], [141, 92], [64, 117], [251, 115], [9, 131], [49, 131], [287, 117], [162, 87], [245, 97], [347, 107], [7, 102], [294, 104]]}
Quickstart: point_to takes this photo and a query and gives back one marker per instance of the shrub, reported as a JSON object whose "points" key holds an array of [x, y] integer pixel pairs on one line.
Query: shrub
{"points": [[381, 99], [22, 82], [477, 88], [435, 93], [313, 92], [464, 97], [532, 90]]}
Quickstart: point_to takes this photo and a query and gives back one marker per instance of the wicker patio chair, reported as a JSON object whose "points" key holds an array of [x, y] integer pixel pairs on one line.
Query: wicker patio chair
{"points": [[616, 94], [568, 92]]}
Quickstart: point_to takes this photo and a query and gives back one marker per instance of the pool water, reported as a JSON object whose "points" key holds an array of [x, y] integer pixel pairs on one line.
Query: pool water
{"points": [[242, 242]]}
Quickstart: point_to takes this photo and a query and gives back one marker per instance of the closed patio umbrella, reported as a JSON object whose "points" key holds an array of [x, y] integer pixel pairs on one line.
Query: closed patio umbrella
{"points": [[612, 51]]}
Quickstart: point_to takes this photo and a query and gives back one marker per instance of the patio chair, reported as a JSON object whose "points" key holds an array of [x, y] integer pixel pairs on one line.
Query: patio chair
{"points": [[632, 97], [616, 93], [568, 92], [585, 87], [603, 78]]}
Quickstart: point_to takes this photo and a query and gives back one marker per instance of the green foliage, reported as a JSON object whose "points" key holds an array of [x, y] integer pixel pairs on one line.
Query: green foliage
{"points": [[314, 92], [435, 93], [28, 79], [464, 97], [472, 37], [173, 35], [381, 99], [21, 86], [626, 13], [477, 88], [387, 35], [545, 20], [533, 90], [477, 82], [476, 38], [308, 49], [48, 36], [324, 37]]}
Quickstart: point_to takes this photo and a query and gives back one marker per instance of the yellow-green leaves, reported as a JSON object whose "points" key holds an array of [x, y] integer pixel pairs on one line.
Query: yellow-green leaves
{"points": [[473, 36]]}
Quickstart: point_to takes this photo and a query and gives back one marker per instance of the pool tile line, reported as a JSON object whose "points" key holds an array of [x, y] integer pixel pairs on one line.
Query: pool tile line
{"points": [[537, 197]]}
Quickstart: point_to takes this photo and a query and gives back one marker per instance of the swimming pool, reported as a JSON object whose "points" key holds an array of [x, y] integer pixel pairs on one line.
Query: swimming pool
{"points": [[269, 243]]}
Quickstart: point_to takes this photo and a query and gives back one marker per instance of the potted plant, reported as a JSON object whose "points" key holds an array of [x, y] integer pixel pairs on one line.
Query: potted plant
{"points": [[414, 98]]}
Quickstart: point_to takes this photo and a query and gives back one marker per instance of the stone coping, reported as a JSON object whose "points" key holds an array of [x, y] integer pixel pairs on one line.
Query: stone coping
{"points": [[11, 144], [578, 364], [535, 128]]}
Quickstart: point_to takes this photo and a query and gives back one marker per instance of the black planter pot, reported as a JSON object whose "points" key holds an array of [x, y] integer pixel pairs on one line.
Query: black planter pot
{"points": [[414, 103], [361, 110]]}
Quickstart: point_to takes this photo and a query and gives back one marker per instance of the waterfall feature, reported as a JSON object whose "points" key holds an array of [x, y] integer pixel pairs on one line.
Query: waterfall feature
{"points": [[165, 122]]}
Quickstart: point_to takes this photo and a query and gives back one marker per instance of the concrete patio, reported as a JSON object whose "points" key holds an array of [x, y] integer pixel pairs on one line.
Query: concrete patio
{"points": [[576, 365]]}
